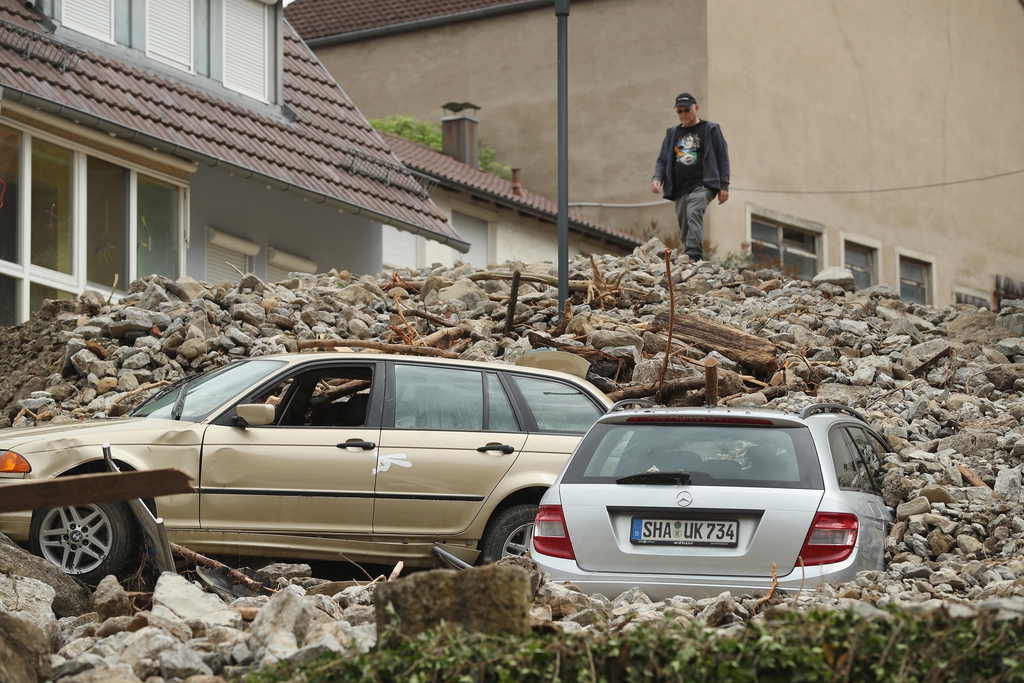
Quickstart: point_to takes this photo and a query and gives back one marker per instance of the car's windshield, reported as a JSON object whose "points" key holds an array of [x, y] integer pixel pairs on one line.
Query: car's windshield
{"points": [[203, 394], [713, 455]]}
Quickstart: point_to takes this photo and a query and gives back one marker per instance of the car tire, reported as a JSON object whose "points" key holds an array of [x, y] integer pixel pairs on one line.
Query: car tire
{"points": [[86, 542], [508, 533]]}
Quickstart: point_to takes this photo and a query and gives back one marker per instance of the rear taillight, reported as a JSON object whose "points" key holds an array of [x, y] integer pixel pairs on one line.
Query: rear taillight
{"points": [[12, 462], [832, 538], [550, 537]]}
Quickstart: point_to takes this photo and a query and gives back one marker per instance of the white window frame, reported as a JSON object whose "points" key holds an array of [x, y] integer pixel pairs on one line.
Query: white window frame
{"points": [[163, 58], [84, 28], [866, 243], [922, 257], [76, 283], [781, 220]]}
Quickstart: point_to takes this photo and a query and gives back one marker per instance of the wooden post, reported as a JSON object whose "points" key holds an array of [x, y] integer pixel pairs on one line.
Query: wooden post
{"points": [[711, 381], [82, 489], [513, 299]]}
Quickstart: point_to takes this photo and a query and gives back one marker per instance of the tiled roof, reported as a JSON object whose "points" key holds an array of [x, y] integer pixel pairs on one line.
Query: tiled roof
{"points": [[322, 18], [453, 173], [329, 150]]}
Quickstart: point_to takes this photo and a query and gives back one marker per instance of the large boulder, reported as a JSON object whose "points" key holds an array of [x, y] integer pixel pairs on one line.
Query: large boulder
{"points": [[70, 598], [24, 651], [492, 599]]}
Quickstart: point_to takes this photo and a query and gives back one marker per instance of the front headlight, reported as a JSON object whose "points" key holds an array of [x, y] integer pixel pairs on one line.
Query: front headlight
{"points": [[12, 462]]}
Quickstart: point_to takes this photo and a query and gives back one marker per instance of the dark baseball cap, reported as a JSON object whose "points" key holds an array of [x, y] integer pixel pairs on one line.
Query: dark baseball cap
{"points": [[685, 100]]}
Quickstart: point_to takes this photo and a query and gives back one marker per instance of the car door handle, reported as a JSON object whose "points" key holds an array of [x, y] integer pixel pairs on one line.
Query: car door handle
{"points": [[365, 445], [504, 448]]}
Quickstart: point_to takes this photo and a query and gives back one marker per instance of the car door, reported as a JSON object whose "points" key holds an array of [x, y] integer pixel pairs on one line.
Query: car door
{"points": [[311, 470], [450, 434], [557, 415]]}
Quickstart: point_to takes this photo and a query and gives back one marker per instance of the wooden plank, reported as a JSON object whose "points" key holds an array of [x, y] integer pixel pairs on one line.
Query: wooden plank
{"points": [[753, 353], [80, 489]]}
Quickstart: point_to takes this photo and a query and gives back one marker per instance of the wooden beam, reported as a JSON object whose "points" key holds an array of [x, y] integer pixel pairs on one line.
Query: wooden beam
{"points": [[81, 489], [751, 352]]}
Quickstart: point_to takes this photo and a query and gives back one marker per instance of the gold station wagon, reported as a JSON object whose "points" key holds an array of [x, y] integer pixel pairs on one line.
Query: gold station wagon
{"points": [[367, 457]]}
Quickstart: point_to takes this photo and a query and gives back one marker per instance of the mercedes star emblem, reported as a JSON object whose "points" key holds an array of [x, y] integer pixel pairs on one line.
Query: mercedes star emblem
{"points": [[684, 498]]}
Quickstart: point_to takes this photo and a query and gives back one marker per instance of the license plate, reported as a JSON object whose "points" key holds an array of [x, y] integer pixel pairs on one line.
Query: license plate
{"points": [[705, 532]]}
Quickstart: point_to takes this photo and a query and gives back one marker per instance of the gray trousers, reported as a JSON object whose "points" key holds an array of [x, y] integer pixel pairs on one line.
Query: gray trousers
{"points": [[690, 212]]}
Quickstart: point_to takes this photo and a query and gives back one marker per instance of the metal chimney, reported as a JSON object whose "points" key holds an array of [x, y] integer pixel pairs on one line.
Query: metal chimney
{"points": [[458, 138]]}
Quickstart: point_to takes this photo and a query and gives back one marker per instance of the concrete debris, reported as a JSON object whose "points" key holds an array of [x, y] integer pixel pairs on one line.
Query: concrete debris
{"points": [[944, 386]]}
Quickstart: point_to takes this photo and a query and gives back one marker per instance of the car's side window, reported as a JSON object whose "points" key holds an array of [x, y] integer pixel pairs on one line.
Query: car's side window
{"points": [[438, 398], [500, 417], [557, 407], [872, 452], [849, 470], [321, 397]]}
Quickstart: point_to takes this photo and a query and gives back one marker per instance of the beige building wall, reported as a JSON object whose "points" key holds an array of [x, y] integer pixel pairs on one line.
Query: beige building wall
{"points": [[826, 106]]}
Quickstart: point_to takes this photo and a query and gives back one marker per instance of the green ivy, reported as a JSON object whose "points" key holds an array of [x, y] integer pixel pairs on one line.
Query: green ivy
{"points": [[429, 133], [815, 647]]}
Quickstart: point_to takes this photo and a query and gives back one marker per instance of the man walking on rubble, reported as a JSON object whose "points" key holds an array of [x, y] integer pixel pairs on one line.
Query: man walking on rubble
{"points": [[692, 168]]}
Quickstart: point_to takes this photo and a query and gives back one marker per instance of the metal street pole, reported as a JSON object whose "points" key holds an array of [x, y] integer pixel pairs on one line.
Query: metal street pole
{"points": [[562, 12]]}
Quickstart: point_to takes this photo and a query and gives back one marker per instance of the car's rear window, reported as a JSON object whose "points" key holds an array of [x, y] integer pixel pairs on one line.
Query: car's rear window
{"points": [[713, 455]]}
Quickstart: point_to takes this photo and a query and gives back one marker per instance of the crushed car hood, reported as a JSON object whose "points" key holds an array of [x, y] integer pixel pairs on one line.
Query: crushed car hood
{"points": [[69, 434]]}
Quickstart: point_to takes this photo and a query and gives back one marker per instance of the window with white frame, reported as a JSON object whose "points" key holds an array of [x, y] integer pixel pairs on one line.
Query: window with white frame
{"points": [[169, 32], [861, 261], [68, 213], [246, 28], [789, 249], [94, 18], [915, 280]]}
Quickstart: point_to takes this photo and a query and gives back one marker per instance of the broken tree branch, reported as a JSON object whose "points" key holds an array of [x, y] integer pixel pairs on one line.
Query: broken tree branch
{"points": [[193, 557]]}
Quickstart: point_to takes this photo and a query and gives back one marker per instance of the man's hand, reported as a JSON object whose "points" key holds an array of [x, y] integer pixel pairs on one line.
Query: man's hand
{"points": [[723, 196], [656, 186]]}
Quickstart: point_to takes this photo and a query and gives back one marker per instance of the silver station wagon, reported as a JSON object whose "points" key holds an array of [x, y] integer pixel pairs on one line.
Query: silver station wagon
{"points": [[696, 501], [330, 456]]}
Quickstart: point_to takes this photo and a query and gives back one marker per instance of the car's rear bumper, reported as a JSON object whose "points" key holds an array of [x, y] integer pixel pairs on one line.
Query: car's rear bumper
{"points": [[662, 586]]}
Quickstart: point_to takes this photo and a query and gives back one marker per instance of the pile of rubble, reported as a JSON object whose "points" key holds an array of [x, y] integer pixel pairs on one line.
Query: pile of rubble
{"points": [[944, 386]]}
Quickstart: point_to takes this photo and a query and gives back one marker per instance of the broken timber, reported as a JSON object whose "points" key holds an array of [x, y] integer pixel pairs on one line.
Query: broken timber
{"points": [[83, 489], [753, 353]]}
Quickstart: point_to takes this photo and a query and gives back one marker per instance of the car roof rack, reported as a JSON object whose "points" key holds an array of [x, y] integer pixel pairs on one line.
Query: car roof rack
{"points": [[624, 403], [816, 408]]}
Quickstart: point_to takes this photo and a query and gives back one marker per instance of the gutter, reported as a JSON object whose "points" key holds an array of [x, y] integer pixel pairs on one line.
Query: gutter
{"points": [[443, 20], [126, 133]]}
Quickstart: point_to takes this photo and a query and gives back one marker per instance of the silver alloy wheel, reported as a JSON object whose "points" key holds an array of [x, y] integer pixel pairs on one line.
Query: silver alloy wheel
{"points": [[76, 539], [518, 542]]}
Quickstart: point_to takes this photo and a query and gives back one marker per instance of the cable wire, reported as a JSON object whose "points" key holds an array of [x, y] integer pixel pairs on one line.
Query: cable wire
{"points": [[875, 191]]}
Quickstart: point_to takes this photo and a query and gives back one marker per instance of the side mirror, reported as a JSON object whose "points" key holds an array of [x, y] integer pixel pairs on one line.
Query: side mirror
{"points": [[255, 414]]}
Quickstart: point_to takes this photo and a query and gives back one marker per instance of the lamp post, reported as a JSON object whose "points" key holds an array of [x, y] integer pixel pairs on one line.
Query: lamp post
{"points": [[562, 12]]}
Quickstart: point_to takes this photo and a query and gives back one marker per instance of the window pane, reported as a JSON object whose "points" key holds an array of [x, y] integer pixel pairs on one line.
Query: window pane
{"points": [[800, 266], [107, 228], [38, 293], [912, 271], [157, 228], [10, 144], [438, 398], [8, 300], [557, 407], [764, 233], [51, 206], [848, 474], [500, 417], [804, 241], [765, 257], [913, 293], [857, 257]]}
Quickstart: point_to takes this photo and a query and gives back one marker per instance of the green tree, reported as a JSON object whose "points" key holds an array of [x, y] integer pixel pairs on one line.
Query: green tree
{"points": [[429, 133]]}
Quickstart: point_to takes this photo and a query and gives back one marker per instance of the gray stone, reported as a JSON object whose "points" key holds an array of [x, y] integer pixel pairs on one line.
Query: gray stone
{"points": [[917, 506], [600, 339], [24, 651], [110, 599], [466, 291], [836, 275]]}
